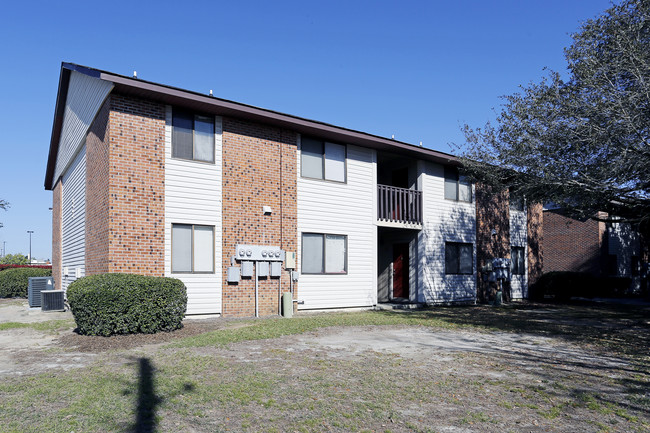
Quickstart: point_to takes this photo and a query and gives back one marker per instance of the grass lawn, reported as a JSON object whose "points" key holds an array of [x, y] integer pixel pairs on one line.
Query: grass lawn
{"points": [[593, 374]]}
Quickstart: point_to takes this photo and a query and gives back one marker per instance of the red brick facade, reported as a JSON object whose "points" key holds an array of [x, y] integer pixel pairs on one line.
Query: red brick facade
{"points": [[492, 216], [535, 237], [97, 186], [259, 169], [136, 186], [573, 245]]}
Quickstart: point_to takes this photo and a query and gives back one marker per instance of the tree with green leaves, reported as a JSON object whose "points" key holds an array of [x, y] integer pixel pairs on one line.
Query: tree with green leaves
{"points": [[14, 259], [582, 142]]}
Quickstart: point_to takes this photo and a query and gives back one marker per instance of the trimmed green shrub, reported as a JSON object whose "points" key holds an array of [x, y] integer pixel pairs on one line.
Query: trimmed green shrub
{"points": [[109, 304], [14, 282]]}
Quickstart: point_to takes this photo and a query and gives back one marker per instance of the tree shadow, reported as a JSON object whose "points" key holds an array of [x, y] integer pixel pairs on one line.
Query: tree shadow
{"points": [[148, 401]]}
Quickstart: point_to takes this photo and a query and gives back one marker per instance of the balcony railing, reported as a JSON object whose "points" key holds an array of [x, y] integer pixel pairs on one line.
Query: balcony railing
{"points": [[399, 205]]}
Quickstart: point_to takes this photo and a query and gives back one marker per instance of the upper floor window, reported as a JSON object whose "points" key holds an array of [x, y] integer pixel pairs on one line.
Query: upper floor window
{"points": [[192, 136], [457, 187], [518, 260], [459, 258], [517, 202], [322, 160]]}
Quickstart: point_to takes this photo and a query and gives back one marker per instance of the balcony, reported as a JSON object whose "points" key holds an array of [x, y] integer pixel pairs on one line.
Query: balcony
{"points": [[399, 207]]}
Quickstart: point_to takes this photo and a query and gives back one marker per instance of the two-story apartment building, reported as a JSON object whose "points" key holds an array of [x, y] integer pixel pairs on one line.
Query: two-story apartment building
{"points": [[156, 180]]}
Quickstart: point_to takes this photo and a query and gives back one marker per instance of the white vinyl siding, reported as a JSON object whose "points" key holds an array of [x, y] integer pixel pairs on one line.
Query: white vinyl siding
{"points": [[347, 209], [73, 221], [444, 221], [85, 97], [518, 238], [193, 196]]}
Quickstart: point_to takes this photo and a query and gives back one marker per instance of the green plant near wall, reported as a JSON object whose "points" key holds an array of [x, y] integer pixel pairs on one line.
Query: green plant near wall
{"points": [[109, 304], [15, 282]]}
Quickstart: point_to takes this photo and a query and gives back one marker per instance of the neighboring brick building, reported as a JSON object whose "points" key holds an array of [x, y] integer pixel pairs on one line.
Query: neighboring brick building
{"points": [[603, 249], [156, 180]]}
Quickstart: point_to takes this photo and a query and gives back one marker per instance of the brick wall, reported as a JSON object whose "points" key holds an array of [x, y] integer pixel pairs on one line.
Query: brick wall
{"points": [[572, 245], [57, 198], [137, 182], [259, 169], [97, 205], [492, 213], [535, 237]]}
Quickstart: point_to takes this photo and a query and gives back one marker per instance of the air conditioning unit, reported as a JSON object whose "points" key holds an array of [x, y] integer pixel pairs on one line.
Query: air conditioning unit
{"points": [[35, 287], [53, 300]]}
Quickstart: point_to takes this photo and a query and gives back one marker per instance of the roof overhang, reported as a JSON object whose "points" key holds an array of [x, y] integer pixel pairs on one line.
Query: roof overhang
{"points": [[209, 104]]}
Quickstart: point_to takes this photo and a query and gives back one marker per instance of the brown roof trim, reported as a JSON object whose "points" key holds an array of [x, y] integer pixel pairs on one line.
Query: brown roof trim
{"points": [[201, 102]]}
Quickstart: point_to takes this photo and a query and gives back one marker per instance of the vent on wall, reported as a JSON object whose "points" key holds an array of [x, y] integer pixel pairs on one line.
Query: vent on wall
{"points": [[53, 300], [35, 287]]}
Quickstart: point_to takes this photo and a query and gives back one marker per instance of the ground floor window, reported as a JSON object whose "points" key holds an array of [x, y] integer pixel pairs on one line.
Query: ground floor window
{"points": [[517, 260], [324, 253], [459, 258], [192, 248]]}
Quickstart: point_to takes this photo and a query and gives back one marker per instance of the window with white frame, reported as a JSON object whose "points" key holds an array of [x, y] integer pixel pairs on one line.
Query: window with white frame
{"points": [[457, 187], [518, 260], [459, 258], [322, 160], [192, 248], [192, 136], [324, 253], [517, 202]]}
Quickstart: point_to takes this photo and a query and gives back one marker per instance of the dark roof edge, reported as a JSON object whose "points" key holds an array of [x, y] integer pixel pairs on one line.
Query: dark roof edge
{"points": [[170, 94], [57, 123]]}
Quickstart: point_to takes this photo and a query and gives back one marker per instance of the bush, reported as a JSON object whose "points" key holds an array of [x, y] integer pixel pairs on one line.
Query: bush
{"points": [[14, 282], [109, 304], [562, 286]]}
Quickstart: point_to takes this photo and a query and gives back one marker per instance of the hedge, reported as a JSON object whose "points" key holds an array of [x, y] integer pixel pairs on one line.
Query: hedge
{"points": [[11, 266], [14, 282], [109, 304]]}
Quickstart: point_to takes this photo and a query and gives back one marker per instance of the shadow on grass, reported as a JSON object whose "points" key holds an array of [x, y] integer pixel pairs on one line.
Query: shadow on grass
{"points": [[148, 401], [624, 329]]}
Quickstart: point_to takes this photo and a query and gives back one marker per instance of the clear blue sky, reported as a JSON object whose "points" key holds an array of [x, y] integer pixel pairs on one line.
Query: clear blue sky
{"points": [[415, 69]]}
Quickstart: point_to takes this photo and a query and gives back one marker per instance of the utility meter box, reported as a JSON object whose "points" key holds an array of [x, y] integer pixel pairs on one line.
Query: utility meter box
{"points": [[233, 274], [262, 269], [276, 269], [247, 269], [290, 262]]}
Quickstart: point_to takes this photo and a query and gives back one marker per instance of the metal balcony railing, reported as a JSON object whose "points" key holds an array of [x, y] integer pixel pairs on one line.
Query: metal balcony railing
{"points": [[400, 205]]}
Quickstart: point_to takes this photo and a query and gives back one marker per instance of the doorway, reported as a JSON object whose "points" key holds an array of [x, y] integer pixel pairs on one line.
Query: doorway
{"points": [[401, 270]]}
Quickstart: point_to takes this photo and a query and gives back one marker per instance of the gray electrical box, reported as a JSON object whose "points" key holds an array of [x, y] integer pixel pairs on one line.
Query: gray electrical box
{"points": [[276, 269], [259, 252], [233, 274], [262, 269], [247, 269], [294, 276]]}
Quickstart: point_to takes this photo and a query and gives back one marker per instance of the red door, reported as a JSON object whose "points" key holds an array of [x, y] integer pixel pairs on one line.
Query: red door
{"points": [[401, 271]]}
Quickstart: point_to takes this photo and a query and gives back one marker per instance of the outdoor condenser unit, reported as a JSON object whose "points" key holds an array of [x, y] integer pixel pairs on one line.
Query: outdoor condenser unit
{"points": [[35, 287], [53, 300]]}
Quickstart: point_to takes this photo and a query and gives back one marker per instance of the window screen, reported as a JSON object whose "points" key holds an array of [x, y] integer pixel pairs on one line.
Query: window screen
{"points": [[335, 162], [181, 248], [182, 135], [203, 139], [517, 260], [311, 158], [334, 254], [312, 253]]}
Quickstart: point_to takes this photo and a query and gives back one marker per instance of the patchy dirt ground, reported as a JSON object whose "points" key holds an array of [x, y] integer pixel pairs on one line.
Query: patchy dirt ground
{"points": [[362, 378]]}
